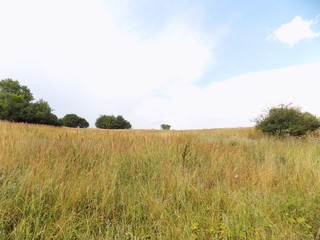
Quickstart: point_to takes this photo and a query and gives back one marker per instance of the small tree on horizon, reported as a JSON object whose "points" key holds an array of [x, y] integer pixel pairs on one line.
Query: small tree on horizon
{"points": [[165, 126], [112, 122], [74, 121]]}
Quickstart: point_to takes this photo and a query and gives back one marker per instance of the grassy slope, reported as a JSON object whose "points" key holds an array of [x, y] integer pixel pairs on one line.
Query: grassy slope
{"points": [[59, 183]]}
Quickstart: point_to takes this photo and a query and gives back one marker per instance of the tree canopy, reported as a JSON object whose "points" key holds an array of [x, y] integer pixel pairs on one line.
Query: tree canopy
{"points": [[40, 112], [73, 120], [14, 100], [16, 105], [165, 126], [112, 122], [287, 120], [10, 86]]}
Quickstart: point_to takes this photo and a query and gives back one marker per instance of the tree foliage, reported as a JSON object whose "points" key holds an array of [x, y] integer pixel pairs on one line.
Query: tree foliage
{"points": [[14, 100], [13, 87], [165, 126], [112, 122], [40, 112], [73, 120], [287, 120], [16, 105]]}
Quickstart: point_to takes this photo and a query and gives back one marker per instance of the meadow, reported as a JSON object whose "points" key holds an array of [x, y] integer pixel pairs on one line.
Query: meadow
{"points": [[63, 183]]}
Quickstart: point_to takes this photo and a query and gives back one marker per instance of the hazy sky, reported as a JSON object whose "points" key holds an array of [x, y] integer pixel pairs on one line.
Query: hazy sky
{"points": [[191, 64]]}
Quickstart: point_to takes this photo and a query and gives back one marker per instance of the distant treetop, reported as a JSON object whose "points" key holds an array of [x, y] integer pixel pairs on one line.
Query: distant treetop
{"points": [[112, 122], [73, 120], [165, 126]]}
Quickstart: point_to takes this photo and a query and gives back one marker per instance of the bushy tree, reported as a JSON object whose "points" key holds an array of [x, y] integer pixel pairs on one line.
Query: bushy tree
{"points": [[13, 87], [112, 122], [40, 112], [14, 100], [16, 105], [83, 123], [73, 120], [287, 120], [165, 126]]}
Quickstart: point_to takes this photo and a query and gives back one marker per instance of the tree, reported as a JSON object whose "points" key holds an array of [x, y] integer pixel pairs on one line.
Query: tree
{"points": [[16, 105], [13, 87], [14, 101], [83, 123], [165, 126], [287, 120], [73, 120], [112, 122], [41, 113]]}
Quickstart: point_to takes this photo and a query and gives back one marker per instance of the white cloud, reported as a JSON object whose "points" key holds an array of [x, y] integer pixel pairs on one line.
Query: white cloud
{"points": [[235, 102], [73, 54], [293, 32]]}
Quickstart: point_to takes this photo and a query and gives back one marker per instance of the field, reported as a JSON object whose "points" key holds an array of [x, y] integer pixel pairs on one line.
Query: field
{"points": [[61, 183]]}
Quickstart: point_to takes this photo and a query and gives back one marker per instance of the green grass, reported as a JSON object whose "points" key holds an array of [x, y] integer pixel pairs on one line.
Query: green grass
{"points": [[61, 183]]}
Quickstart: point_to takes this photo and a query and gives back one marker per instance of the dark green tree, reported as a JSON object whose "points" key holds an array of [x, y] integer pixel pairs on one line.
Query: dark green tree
{"points": [[13, 87], [16, 105], [287, 120], [73, 120], [165, 126], [112, 122], [83, 123], [103, 121], [121, 123], [40, 112], [15, 101]]}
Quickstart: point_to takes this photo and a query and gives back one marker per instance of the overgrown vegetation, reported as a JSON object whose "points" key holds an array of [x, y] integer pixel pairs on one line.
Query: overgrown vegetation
{"points": [[287, 120], [63, 183]]}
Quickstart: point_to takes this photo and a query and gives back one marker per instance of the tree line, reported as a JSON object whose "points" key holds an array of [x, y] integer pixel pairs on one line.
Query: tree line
{"points": [[17, 104]]}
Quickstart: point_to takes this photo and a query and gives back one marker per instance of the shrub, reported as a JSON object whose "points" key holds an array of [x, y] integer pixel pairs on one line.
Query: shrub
{"points": [[73, 120], [112, 122], [287, 120], [165, 126]]}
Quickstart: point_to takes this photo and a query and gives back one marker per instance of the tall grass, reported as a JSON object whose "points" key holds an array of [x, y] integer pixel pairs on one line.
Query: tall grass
{"points": [[60, 183]]}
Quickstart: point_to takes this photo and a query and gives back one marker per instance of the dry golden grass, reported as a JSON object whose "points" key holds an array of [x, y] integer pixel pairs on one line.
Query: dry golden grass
{"points": [[61, 183]]}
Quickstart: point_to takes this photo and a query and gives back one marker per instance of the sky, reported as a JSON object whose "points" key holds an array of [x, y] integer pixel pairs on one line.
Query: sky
{"points": [[191, 64]]}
